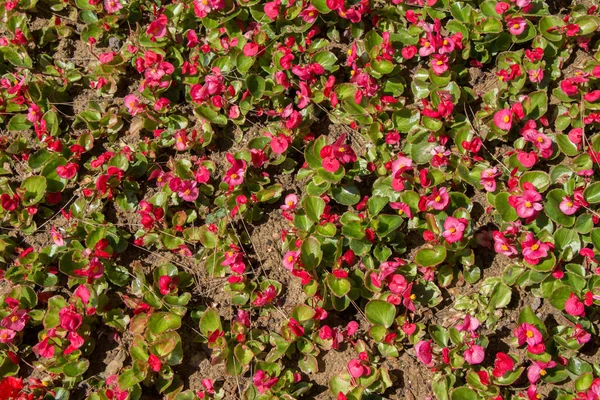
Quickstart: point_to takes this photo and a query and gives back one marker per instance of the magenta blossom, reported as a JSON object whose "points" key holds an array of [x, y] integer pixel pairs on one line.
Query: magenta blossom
{"points": [[454, 229], [568, 206], [188, 190], [528, 204], [516, 25], [527, 333], [290, 258], [538, 369], [235, 175], [503, 246], [439, 199], [263, 382], [488, 179], [574, 306], [290, 202], [424, 353], [474, 354], [16, 320], [112, 6], [534, 250], [470, 324], [503, 119]]}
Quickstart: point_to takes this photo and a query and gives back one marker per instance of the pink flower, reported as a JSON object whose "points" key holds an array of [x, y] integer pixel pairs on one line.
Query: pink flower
{"points": [[474, 354], [295, 327], [528, 204], [16, 320], [438, 199], [502, 364], [188, 190], [271, 9], [536, 75], [409, 52], [57, 237], [158, 27], [279, 144], [357, 367], [398, 284], [330, 164], [67, 171], [265, 297], [503, 245], [69, 319], [581, 334], [290, 258], [251, 49], [290, 202], [263, 382], [181, 140], [235, 174], [105, 58], [154, 363], [309, 14], [538, 369], [424, 352], [7, 335], [403, 208], [516, 25], [470, 324], [568, 206], [574, 306], [454, 229], [503, 119], [112, 6], [44, 348], [527, 333], [488, 179], [533, 249], [34, 113], [439, 63], [132, 102]]}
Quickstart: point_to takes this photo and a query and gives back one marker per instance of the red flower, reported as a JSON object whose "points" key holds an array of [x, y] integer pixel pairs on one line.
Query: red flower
{"points": [[154, 363], [502, 364]]}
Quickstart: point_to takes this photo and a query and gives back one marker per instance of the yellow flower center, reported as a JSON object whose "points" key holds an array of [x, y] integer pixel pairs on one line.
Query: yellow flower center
{"points": [[535, 247], [234, 176], [506, 118], [543, 372], [504, 247], [413, 296], [14, 318], [452, 230], [528, 204], [440, 63], [438, 199], [516, 26], [529, 334]]}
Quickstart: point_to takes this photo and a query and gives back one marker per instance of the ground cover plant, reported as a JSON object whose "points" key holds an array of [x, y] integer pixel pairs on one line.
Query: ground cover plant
{"points": [[361, 199]]}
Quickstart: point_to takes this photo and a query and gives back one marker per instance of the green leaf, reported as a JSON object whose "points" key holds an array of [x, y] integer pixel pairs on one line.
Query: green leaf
{"points": [[256, 85], [210, 321], [405, 119], [463, 393], [430, 257], [35, 188], [19, 122], [314, 207], [507, 212], [388, 224], [592, 193], [380, 312], [560, 296], [162, 321], [539, 179], [527, 315], [347, 194], [339, 286], [311, 253]]}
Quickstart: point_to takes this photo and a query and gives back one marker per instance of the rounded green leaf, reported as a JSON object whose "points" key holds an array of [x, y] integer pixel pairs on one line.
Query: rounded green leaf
{"points": [[463, 393], [339, 286], [380, 312], [430, 257], [592, 193], [163, 321]]}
